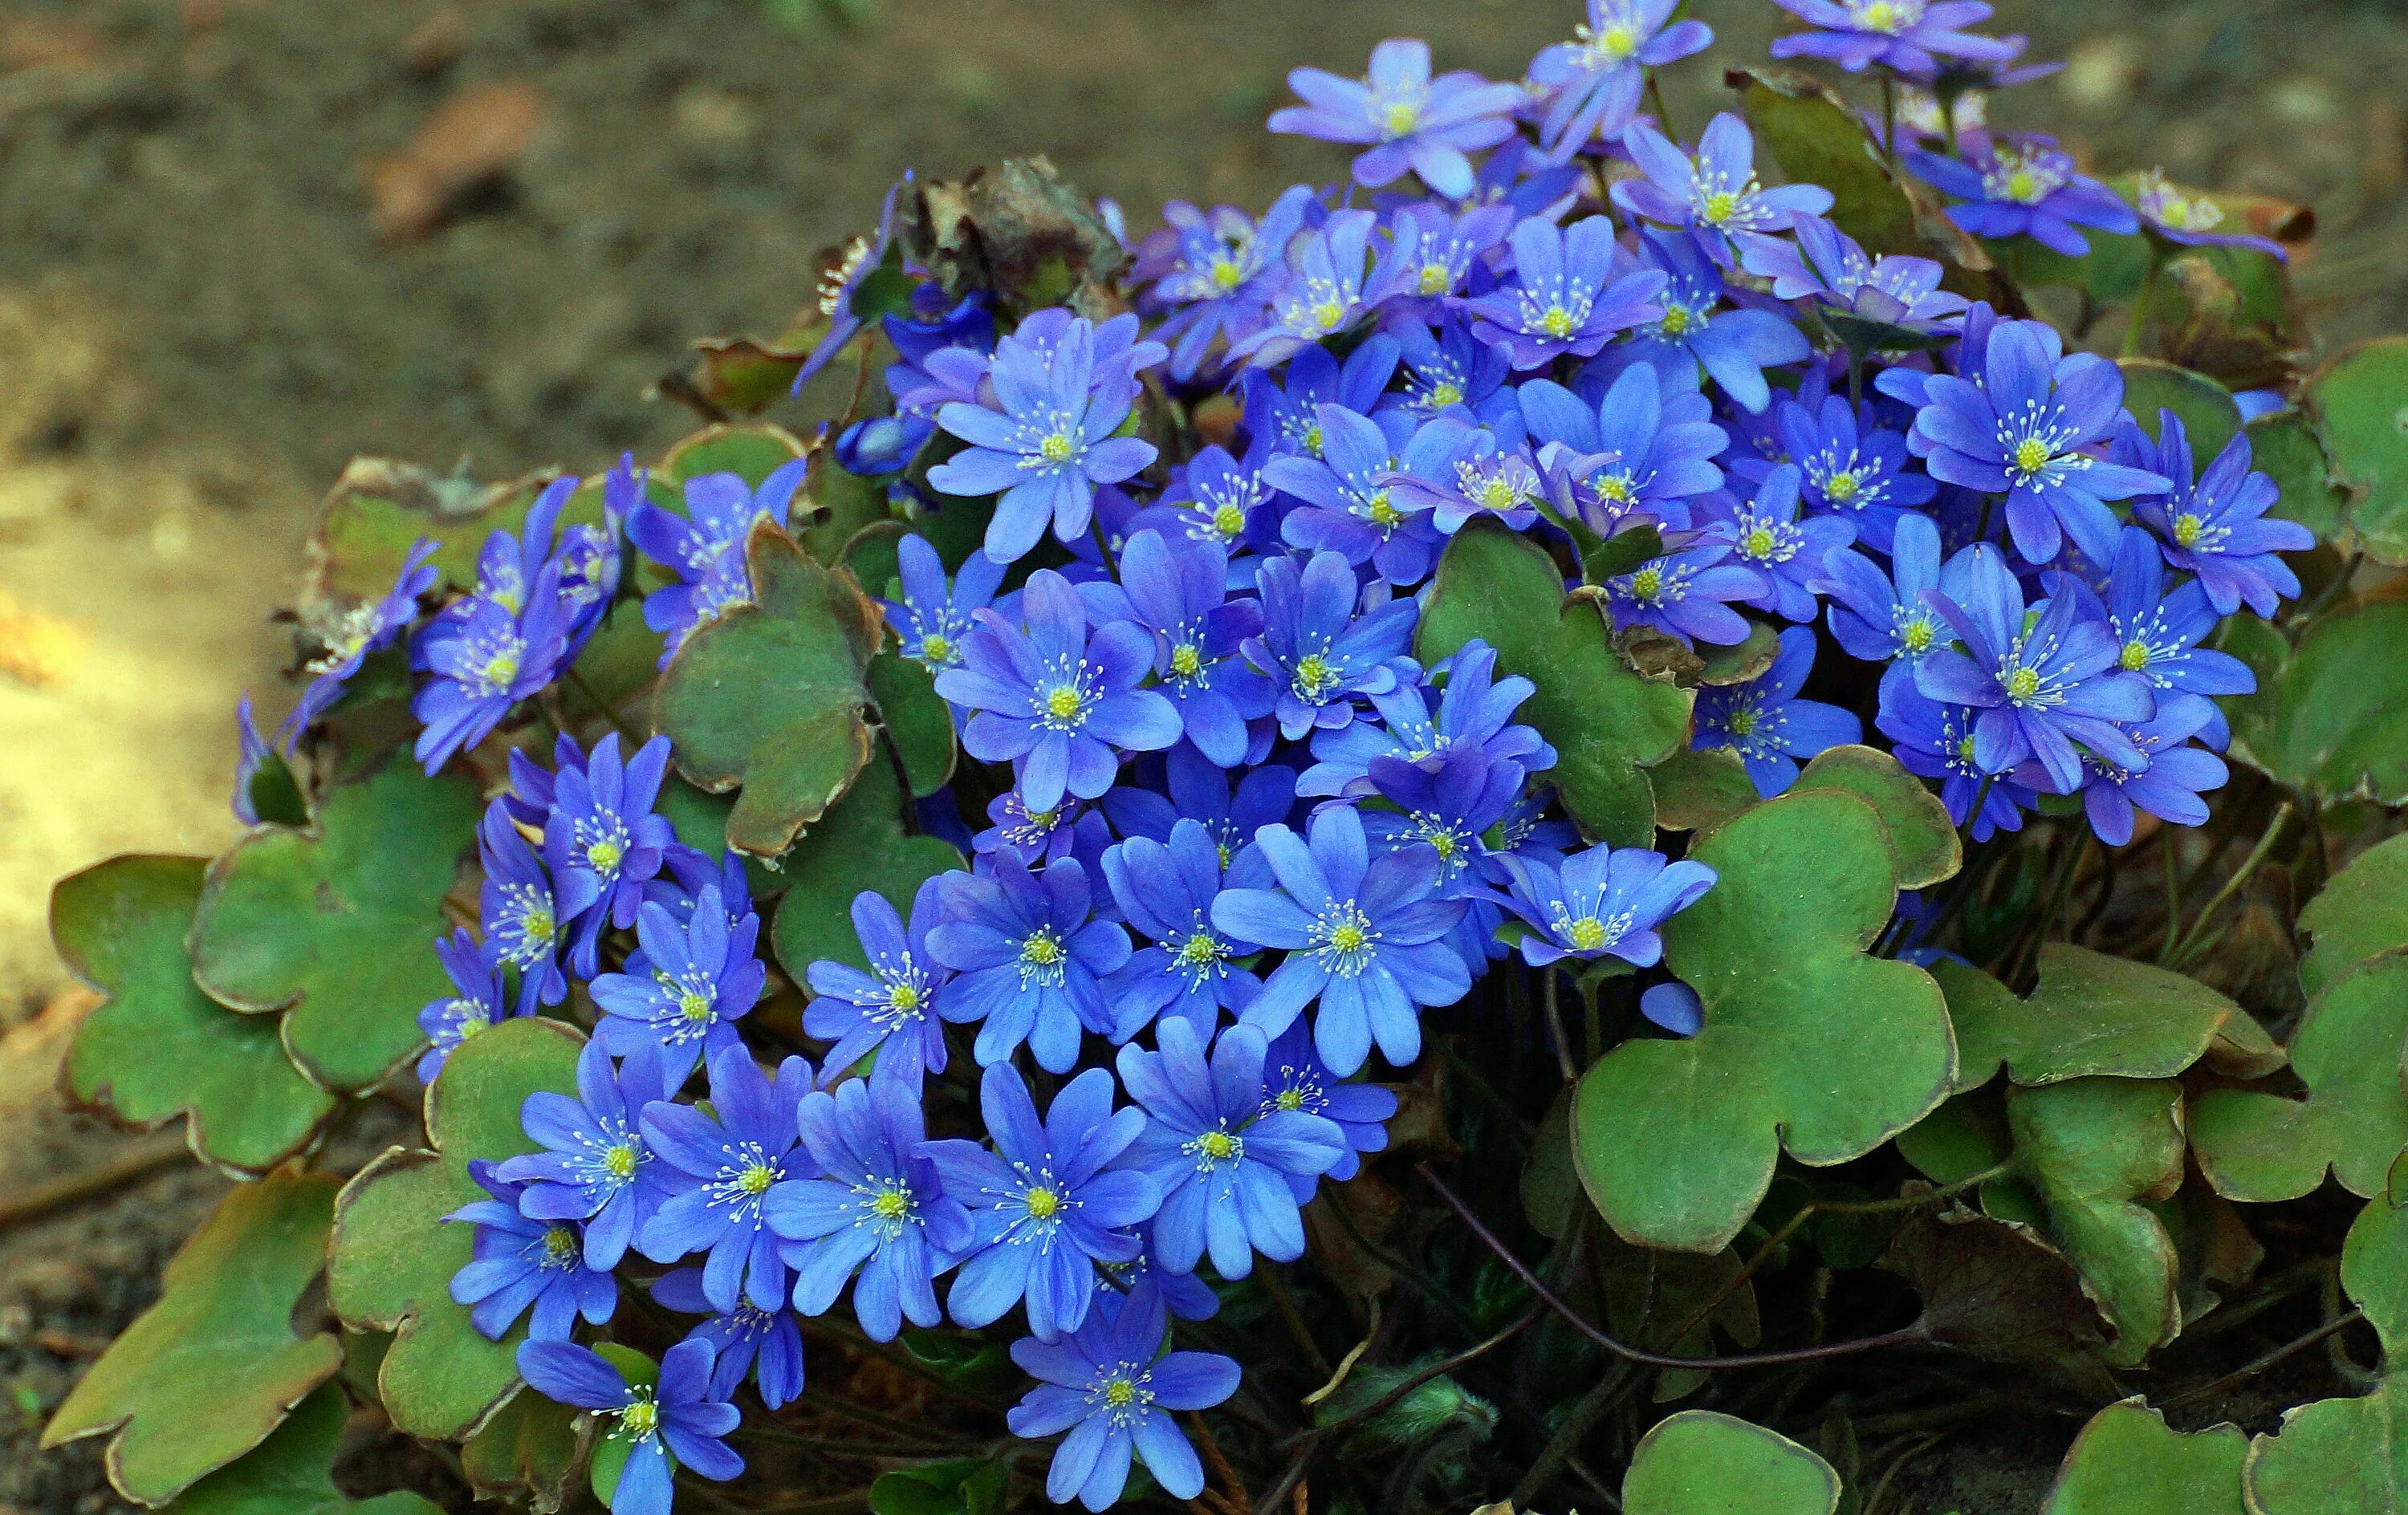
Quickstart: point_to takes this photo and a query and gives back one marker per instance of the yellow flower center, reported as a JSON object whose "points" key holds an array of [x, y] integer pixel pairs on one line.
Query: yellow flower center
{"points": [[2023, 684], [1057, 447], [1348, 938], [604, 855], [1043, 949], [891, 1204], [1719, 207], [1217, 1145], [1201, 950], [1613, 488], [1437, 278], [1586, 935], [1882, 16], [1556, 323], [2134, 657], [936, 648], [1227, 273], [2187, 529], [1919, 636], [642, 1418], [2022, 185], [693, 1006], [758, 1179], [1444, 393], [1120, 1393], [1398, 117], [559, 1246], [1647, 583], [1313, 676], [1676, 320], [1043, 1203], [502, 671], [1289, 1099], [620, 1161], [1758, 543], [1062, 702], [1841, 487], [1228, 521], [1381, 511], [1742, 722], [1185, 661], [2031, 455], [1327, 314], [904, 997]]}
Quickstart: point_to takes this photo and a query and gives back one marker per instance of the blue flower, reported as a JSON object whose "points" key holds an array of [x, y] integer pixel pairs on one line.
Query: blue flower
{"points": [[1685, 594], [1884, 617], [1351, 504], [890, 1009], [718, 1168], [705, 547], [1334, 277], [1634, 453], [2040, 683], [1211, 498], [1111, 1387], [1200, 790], [767, 1344], [2216, 527], [1062, 387], [602, 840], [1715, 195], [1450, 372], [879, 1209], [1178, 590], [1069, 829], [1363, 935], [2189, 221], [1675, 1007], [1857, 472], [1601, 902], [1456, 471], [487, 654], [1031, 961], [880, 447], [843, 280], [1317, 651], [1284, 414], [1906, 36], [1475, 713], [2020, 433], [2158, 633], [1572, 288], [683, 988], [1045, 1210], [679, 1418], [1221, 1163], [1591, 84], [934, 619], [1295, 1079], [518, 1262], [474, 1005], [251, 758], [2025, 186], [1447, 246], [1936, 741], [1055, 700], [1733, 347], [2168, 787], [1406, 119], [369, 626], [1786, 553], [943, 350], [1212, 274], [1166, 891], [1445, 803], [1767, 724], [1826, 265], [518, 914], [594, 1166]]}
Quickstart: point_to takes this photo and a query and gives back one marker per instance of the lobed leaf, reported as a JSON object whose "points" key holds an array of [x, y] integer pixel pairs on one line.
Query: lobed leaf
{"points": [[2360, 401], [209, 1371], [2126, 1460], [918, 724], [1608, 724], [2318, 722], [528, 1449], [2361, 911], [291, 1472], [2095, 1014], [861, 844], [1923, 841], [2349, 1456], [1701, 1462], [752, 452], [1817, 138], [2091, 1149], [391, 1261], [2206, 408], [2287, 449], [1808, 1044], [380, 506], [156, 1047]]}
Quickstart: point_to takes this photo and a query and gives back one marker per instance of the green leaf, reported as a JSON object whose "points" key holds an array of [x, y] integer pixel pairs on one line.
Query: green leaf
{"points": [[2318, 722], [391, 1263], [156, 1047], [1808, 1044], [860, 845], [2111, 273], [2096, 1014], [1700, 1462], [917, 722], [2205, 408], [1923, 841], [207, 1373], [2362, 911], [2128, 1462], [2258, 1146], [275, 795], [380, 506], [770, 695], [2286, 450], [526, 1450], [750, 453], [2360, 400], [1549, 1185], [1606, 722], [958, 1486], [1698, 788], [1818, 139], [336, 924], [291, 1472], [842, 504], [2092, 1148], [612, 1452]]}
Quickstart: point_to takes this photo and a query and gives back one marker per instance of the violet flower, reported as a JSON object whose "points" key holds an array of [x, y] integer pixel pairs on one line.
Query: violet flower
{"points": [[1405, 119]]}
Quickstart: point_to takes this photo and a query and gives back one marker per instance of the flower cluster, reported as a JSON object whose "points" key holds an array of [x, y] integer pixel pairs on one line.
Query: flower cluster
{"points": [[1254, 835]]}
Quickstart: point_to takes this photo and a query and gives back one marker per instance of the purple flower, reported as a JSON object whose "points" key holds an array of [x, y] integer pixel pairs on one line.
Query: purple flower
{"points": [[1168, 890], [1031, 961], [1211, 498], [2216, 527], [944, 352], [1572, 288], [1295, 1079], [517, 1263], [251, 759], [684, 988], [1683, 594], [2023, 186], [369, 626], [1936, 741], [594, 1166], [2169, 787], [1445, 802], [768, 1344], [1885, 617], [879, 447], [718, 1167], [1475, 713], [1715, 195], [2041, 684], [1764, 721], [1044, 1209], [1857, 472], [1315, 649], [1456, 471], [1591, 83], [1200, 790], [2158, 633], [1221, 1164], [1450, 372], [1178, 590], [1212, 274], [1111, 1387], [517, 911], [1351, 505], [1038, 836], [1601, 902], [474, 1003], [878, 1210], [1284, 414], [1786, 553], [841, 284], [680, 1418], [1826, 264], [2020, 433], [933, 617], [1733, 347], [486, 655], [1906, 36], [2190, 221], [1634, 455], [705, 547], [1334, 276], [1363, 937], [1063, 385], [891, 1009], [602, 840], [1407, 118], [1446, 248]]}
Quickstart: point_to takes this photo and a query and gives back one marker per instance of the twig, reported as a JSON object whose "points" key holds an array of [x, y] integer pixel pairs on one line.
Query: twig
{"points": [[1237, 1499], [2196, 936], [1284, 1303], [2330, 1328], [820, 1399], [1904, 1336], [576, 681], [1556, 1029]]}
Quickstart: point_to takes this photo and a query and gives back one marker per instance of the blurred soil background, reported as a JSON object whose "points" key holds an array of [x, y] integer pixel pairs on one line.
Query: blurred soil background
{"points": [[242, 240]]}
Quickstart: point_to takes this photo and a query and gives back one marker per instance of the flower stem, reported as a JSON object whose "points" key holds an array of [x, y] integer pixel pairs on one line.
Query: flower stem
{"points": [[2197, 939], [2141, 307], [576, 681]]}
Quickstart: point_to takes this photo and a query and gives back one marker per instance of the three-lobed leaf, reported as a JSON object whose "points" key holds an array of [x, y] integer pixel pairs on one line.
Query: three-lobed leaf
{"points": [[2361, 401], [2126, 1460], [2349, 1456], [1704, 1463], [2318, 723], [2096, 1014], [2092, 1148], [2362, 910], [291, 1472]]}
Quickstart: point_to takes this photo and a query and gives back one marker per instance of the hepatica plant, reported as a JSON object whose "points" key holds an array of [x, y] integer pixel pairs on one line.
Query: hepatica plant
{"points": [[1429, 843]]}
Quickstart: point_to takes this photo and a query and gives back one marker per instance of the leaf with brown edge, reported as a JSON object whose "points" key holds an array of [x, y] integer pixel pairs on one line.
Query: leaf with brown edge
{"points": [[2096, 1014]]}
